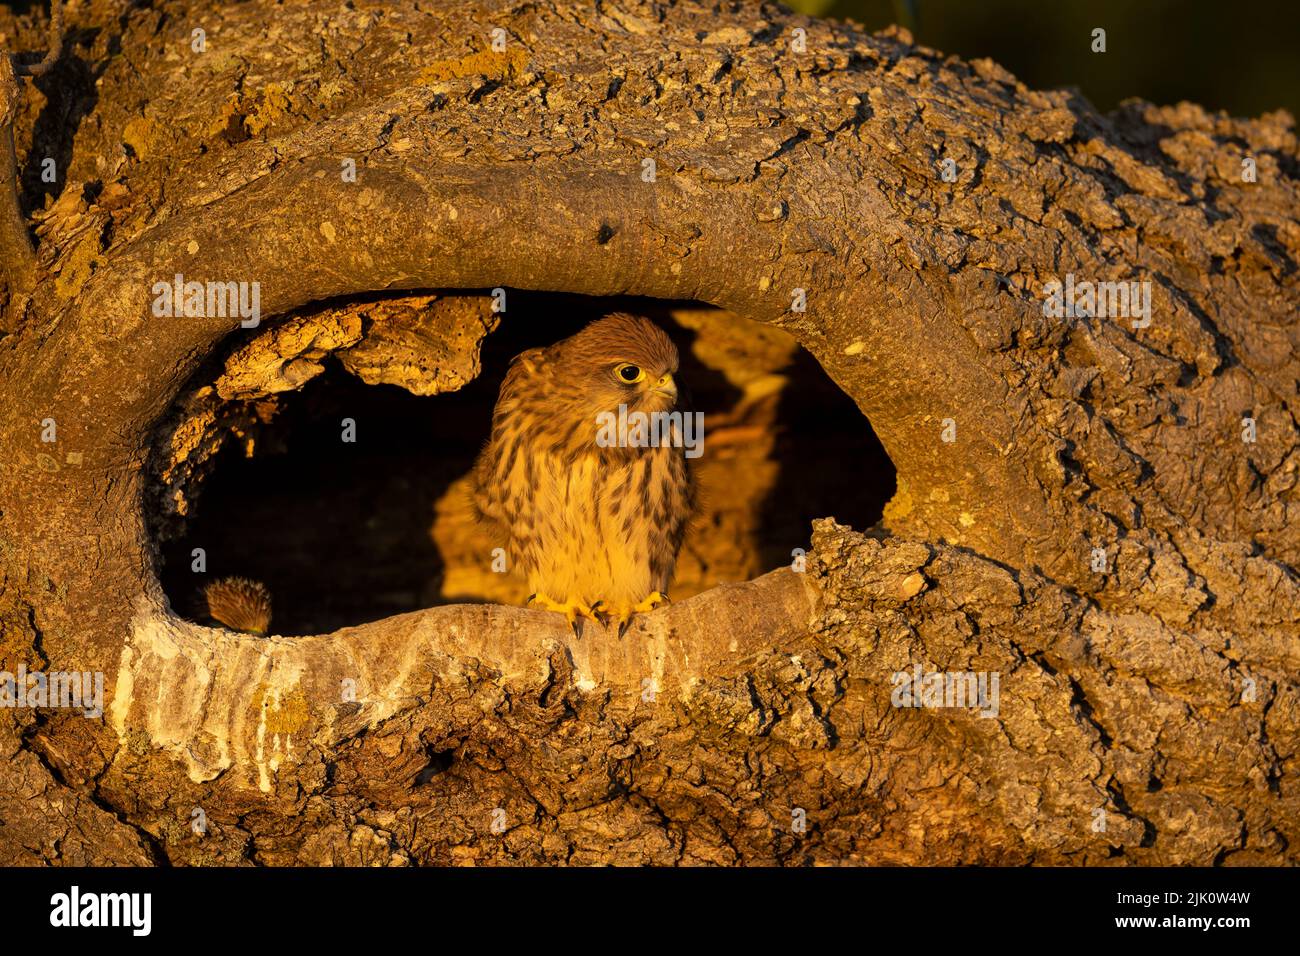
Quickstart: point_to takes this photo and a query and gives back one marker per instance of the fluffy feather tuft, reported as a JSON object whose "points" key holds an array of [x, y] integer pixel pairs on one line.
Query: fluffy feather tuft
{"points": [[241, 604]]}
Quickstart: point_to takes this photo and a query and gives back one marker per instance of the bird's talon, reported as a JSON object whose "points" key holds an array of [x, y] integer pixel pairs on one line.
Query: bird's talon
{"points": [[572, 611], [621, 614], [655, 599]]}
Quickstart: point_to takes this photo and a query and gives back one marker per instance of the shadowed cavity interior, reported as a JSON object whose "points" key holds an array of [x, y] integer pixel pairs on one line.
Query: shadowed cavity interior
{"points": [[343, 532]]}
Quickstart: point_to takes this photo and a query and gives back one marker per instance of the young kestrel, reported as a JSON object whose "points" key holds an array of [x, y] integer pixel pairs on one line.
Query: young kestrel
{"points": [[595, 525]]}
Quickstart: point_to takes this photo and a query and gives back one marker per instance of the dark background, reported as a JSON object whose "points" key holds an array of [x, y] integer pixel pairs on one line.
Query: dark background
{"points": [[1243, 57]]}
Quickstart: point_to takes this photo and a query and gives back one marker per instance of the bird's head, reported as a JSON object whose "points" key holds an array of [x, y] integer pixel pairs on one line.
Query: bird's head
{"points": [[621, 360]]}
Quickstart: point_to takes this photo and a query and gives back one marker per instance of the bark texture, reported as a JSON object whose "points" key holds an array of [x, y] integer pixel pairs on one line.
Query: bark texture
{"points": [[1148, 710]]}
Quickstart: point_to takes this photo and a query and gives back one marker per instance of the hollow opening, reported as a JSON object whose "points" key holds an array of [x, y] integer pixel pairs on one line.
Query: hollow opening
{"points": [[351, 501]]}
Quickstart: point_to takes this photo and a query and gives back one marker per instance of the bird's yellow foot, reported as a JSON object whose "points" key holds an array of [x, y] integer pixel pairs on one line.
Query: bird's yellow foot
{"points": [[572, 610], [655, 599], [622, 614]]}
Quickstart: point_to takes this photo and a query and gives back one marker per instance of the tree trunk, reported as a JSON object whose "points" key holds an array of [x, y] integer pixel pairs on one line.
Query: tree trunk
{"points": [[1097, 512]]}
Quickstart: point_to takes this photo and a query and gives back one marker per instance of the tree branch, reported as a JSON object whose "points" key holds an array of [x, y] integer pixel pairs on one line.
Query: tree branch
{"points": [[55, 45], [16, 249]]}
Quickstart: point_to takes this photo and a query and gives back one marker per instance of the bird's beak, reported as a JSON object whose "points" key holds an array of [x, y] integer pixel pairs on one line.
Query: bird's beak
{"points": [[666, 386]]}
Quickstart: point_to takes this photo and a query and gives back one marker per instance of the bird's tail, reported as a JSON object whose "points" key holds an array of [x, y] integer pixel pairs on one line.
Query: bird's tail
{"points": [[241, 604]]}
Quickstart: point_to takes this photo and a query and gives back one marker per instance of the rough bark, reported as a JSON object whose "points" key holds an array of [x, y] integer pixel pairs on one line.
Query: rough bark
{"points": [[1158, 695]]}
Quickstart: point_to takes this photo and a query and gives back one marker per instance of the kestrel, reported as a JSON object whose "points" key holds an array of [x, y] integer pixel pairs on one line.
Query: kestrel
{"points": [[595, 524]]}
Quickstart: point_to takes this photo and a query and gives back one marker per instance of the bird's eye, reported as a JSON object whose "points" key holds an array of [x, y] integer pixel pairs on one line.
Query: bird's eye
{"points": [[631, 374]]}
